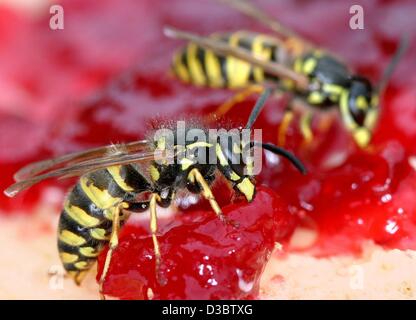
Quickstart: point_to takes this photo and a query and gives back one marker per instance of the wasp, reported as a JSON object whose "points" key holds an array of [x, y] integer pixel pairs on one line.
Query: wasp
{"points": [[317, 80], [117, 180]]}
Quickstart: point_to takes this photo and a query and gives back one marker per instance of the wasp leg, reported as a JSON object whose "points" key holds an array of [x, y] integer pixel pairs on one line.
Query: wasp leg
{"points": [[79, 277], [305, 127], [196, 176], [254, 12], [296, 107], [325, 121], [113, 243], [288, 116], [237, 98], [153, 228], [76, 276], [284, 126]]}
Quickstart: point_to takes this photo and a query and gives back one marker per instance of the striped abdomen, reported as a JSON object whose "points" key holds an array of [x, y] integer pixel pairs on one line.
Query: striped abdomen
{"points": [[85, 223], [202, 67]]}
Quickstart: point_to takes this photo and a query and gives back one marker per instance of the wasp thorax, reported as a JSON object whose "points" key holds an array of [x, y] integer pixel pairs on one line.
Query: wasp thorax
{"points": [[190, 147]]}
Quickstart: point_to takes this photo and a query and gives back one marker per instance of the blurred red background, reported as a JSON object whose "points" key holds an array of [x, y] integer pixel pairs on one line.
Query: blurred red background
{"points": [[105, 76]]}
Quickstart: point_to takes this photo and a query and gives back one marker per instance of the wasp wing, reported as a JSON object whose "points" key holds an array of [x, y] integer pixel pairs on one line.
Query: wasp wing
{"points": [[289, 37], [90, 165], [36, 168], [252, 11], [224, 49], [249, 9]]}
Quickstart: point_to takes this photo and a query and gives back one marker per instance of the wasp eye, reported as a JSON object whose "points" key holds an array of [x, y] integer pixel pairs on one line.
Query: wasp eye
{"points": [[360, 99], [358, 109]]}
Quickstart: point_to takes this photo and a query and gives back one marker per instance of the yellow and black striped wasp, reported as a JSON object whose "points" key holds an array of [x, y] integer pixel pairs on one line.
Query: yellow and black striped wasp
{"points": [[119, 179], [317, 79]]}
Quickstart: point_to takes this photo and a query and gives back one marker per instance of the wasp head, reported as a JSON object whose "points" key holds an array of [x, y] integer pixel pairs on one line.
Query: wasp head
{"points": [[359, 109]]}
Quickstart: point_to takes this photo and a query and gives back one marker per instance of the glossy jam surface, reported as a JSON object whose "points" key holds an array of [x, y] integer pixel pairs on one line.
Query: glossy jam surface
{"points": [[202, 258], [106, 84]]}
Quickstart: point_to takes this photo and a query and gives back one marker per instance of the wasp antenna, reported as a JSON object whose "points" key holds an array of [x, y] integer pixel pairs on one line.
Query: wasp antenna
{"points": [[249, 9], [401, 49], [258, 107], [283, 152]]}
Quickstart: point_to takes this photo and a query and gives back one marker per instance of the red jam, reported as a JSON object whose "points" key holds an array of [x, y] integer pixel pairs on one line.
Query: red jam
{"points": [[350, 195], [202, 258]]}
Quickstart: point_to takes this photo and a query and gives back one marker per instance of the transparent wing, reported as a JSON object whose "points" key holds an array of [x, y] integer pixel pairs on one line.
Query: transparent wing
{"points": [[35, 168], [290, 37], [249, 9], [84, 167], [224, 49]]}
